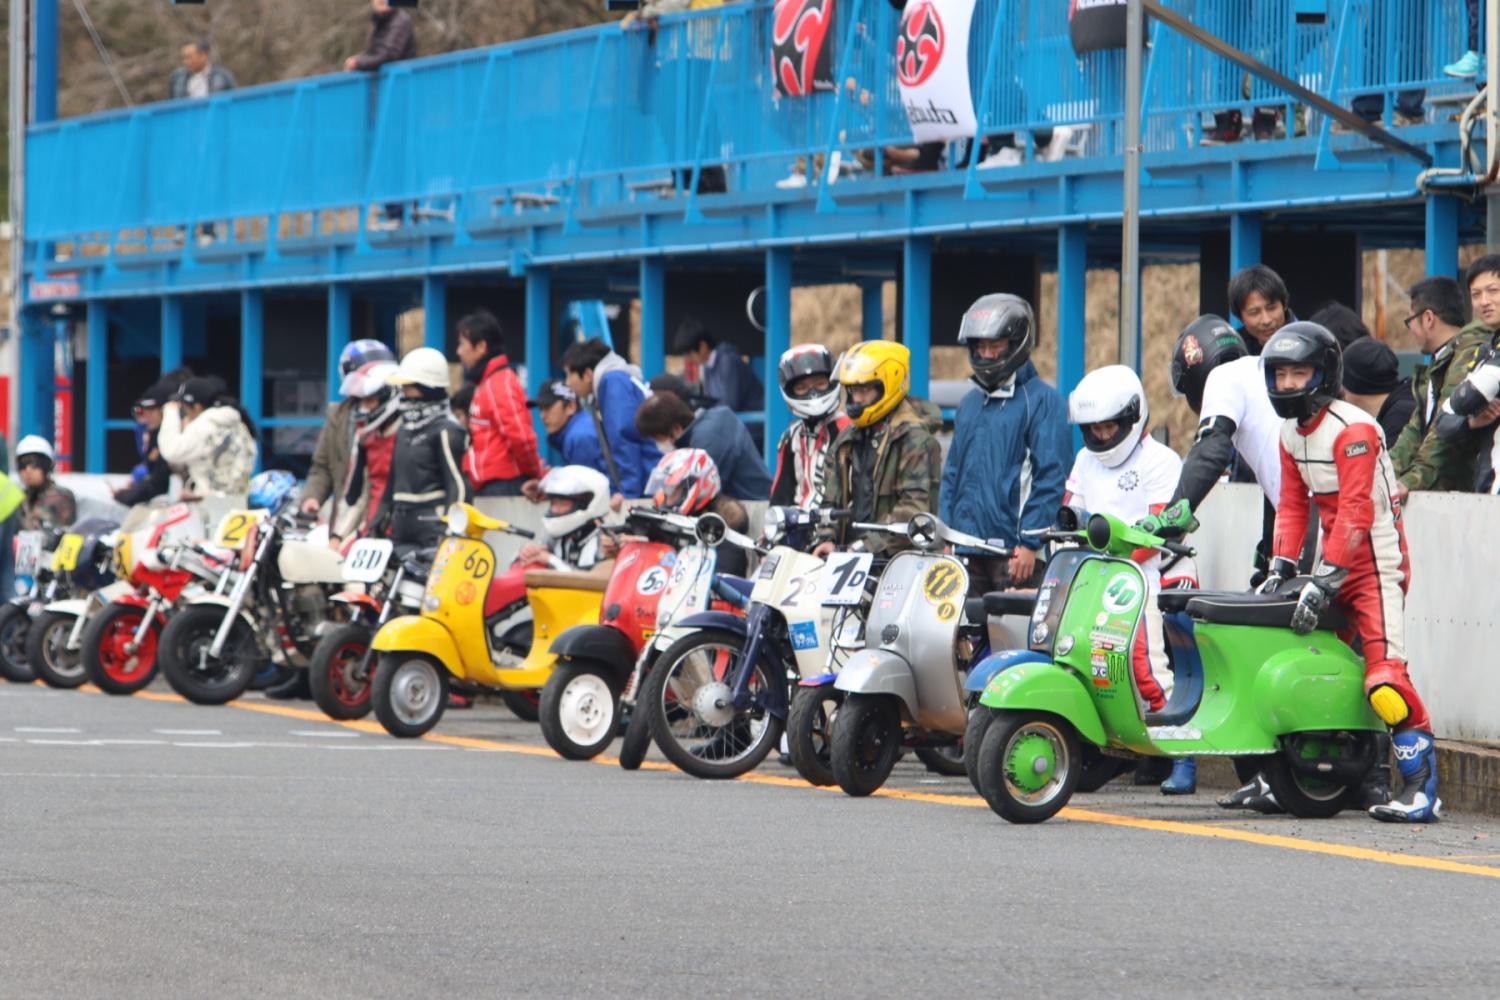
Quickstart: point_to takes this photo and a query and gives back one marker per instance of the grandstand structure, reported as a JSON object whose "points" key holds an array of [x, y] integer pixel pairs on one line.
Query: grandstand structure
{"points": [[244, 233]]}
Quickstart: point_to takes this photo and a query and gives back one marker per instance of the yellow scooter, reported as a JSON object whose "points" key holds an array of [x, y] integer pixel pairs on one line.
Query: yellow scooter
{"points": [[475, 630]]}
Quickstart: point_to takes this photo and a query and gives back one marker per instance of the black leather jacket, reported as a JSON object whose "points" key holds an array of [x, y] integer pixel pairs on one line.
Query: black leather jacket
{"points": [[426, 475]]}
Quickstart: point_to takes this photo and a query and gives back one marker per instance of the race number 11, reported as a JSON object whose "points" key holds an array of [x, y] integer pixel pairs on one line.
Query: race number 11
{"points": [[844, 577]]}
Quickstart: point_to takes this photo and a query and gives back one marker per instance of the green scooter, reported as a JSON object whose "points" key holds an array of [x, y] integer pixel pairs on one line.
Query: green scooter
{"points": [[1246, 686]]}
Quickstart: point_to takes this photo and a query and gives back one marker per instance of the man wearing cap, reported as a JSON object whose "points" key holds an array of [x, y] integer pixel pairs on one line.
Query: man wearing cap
{"points": [[1373, 382], [570, 431], [147, 412]]}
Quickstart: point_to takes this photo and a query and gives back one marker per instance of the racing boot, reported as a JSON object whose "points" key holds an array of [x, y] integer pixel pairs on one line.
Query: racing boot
{"points": [[1254, 795], [1152, 771], [1376, 789], [1416, 758], [296, 689], [1184, 779]]}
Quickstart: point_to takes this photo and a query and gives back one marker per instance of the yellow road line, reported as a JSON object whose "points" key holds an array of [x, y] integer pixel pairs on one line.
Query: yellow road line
{"points": [[934, 798]]}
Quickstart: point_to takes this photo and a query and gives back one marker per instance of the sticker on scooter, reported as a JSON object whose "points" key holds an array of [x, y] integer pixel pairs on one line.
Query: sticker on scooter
{"points": [[65, 559], [947, 611], [804, 635], [941, 582], [1121, 594], [844, 577], [651, 581]]}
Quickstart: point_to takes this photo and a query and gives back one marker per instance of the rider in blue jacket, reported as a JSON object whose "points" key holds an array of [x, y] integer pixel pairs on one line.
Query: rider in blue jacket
{"points": [[1011, 450], [596, 373]]}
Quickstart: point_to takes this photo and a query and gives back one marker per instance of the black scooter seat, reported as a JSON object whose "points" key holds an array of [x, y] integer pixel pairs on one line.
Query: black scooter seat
{"points": [[1173, 601], [1009, 602], [1261, 610]]}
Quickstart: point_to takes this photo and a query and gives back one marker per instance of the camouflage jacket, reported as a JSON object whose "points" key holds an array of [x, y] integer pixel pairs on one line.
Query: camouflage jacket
{"points": [[1422, 459], [908, 470], [52, 506]]}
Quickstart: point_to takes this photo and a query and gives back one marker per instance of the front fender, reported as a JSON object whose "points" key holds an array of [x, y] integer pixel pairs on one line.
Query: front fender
{"points": [[222, 601], [413, 633], [981, 672], [877, 671], [74, 606], [1046, 687], [713, 619], [597, 643]]}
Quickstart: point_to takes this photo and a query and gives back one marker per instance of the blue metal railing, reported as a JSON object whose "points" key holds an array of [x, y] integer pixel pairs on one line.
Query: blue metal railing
{"points": [[591, 121]]}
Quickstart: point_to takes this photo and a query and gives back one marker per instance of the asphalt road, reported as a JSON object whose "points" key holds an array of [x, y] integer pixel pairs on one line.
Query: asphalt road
{"points": [[149, 848]]}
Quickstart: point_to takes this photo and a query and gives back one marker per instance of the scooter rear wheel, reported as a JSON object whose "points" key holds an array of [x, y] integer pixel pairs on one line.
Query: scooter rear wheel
{"points": [[580, 709], [1028, 765], [980, 717], [524, 705], [110, 665], [14, 624], [409, 692], [946, 759], [1307, 796], [866, 742], [47, 651]]}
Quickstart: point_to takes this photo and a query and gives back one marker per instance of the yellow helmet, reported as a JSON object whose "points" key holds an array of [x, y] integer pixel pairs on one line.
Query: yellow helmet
{"points": [[881, 362]]}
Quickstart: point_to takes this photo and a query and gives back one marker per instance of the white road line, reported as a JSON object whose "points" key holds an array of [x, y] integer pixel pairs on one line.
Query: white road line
{"points": [[64, 743], [46, 729], [206, 743], [187, 732], [131, 743], [328, 734]]}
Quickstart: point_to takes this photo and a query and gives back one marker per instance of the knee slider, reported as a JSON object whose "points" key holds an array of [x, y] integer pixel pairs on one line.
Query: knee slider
{"points": [[1389, 705]]}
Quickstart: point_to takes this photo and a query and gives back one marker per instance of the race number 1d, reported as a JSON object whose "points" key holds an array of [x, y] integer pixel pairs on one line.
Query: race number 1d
{"points": [[844, 577]]}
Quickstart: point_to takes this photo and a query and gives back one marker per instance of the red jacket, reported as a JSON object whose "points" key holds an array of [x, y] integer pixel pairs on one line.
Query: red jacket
{"points": [[502, 443]]}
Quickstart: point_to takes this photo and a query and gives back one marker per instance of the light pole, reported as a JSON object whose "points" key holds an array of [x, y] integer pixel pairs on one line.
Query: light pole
{"points": [[1130, 254]]}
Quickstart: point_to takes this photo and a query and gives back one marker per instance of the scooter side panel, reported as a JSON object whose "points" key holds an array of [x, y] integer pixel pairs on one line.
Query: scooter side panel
{"points": [[458, 583], [416, 633], [1046, 687], [554, 610], [1317, 686], [879, 672], [981, 673], [916, 611]]}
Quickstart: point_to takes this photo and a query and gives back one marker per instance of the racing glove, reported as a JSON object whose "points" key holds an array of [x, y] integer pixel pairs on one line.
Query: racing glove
{"points": [[1316, 596], [1281, 570], [1171, 522]]}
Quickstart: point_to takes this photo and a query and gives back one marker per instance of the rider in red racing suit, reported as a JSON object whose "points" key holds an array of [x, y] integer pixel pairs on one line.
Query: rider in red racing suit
{"points": [[1333, 455]]}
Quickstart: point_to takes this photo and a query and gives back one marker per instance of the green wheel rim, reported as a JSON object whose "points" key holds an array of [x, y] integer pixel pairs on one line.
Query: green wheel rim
{"points": [[1036, 763]]}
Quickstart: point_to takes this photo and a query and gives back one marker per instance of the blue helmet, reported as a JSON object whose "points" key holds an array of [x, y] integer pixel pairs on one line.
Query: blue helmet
{"points": [[358, 354], [270, 488]]}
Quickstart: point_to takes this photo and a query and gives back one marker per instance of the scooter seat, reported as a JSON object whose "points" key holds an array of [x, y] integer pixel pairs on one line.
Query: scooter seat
{"points": [[738, 584], [1172, 601], [1261, 610], [1009, 602]]}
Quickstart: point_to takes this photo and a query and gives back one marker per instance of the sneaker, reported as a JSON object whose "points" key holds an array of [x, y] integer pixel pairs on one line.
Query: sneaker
{"points": [[1062, 137], [1228, 127], [1256, 795], [1403, 120], [792, 181], [1263, 124], [1184, 779], [1009, 156], [1467, 68]]}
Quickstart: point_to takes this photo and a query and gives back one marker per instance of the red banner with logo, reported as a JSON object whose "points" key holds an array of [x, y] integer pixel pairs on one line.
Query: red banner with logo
{"points": [[932, 65], [802, 46]]}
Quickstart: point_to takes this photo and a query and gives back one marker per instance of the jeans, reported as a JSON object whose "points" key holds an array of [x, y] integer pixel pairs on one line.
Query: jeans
{"points": [[501, 488], [1371, 106]]}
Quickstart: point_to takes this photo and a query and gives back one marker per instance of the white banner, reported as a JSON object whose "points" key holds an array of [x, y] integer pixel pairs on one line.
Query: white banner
{"points": [[932, 64]]}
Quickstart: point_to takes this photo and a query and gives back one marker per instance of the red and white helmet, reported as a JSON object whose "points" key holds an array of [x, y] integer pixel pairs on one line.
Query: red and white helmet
{"points": [[685, 481]]}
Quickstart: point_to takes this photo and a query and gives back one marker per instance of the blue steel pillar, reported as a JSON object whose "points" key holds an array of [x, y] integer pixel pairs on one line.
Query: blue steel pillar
{"points": [[871, 314], [96, 389], [653, 316], [252, 353], [778, 339], [1441, 246], [1072, 304], [339, 301], [44, 86], [1244, 241], [538, 329], [34, 388], [171, 333], [435, 312], [916, 309]]}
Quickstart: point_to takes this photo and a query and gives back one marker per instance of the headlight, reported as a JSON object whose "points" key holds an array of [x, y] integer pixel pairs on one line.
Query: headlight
{"points": [[774, 528], [458, 520]]}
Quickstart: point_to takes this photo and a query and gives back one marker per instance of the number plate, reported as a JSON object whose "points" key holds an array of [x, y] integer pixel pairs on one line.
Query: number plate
{"points": [[65, 559], [28, 552], [235, 527], [367, 560], [844, 576]]}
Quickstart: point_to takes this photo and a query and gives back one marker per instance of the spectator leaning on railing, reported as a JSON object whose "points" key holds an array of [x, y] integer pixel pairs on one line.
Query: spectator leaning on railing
{"points": [[1421, 458], [1468, 65], [198, 76], [392, 39]]}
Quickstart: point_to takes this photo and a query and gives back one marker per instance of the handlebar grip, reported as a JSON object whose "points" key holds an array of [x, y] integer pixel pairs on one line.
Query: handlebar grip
{"points": [[841, 514], [1177, 548], [523, 532]]}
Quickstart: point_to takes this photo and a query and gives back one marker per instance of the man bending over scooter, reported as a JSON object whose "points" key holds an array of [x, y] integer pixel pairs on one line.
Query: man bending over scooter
{"points": [[1333, 455]]}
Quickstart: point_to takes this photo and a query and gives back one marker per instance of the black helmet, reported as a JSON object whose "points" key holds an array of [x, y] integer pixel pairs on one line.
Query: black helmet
{"points": [[1202, 346], [998, 317], [1304, 343]]}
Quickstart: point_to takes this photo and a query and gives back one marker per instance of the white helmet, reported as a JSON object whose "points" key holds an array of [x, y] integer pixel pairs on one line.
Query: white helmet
{"points": [[587, 488], [373, 379], [1112, 393], [424, 366], [35, 444], [808, 359]]}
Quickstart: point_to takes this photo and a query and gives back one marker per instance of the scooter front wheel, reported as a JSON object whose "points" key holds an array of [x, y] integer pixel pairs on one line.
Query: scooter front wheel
{"points": [[809, 732], [866, 742], [1028, 765], [110, 659], [47, 651], [409, 692], [524, 705], [14, 624], [580, 709], [637, 740], [334, 675], [190, 667]]}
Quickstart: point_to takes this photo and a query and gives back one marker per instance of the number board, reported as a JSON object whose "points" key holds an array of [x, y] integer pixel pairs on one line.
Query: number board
{"points": [[367, 560], [65, 559], [28, 552], [236, 526], [844, 577]]}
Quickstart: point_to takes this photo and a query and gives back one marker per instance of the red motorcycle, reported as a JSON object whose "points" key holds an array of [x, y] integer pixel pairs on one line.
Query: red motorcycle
{"points": [[160, 559]]}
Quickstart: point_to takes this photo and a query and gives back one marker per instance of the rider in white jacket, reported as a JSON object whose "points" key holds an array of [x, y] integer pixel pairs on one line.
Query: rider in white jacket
{"points": [[205, 434]]}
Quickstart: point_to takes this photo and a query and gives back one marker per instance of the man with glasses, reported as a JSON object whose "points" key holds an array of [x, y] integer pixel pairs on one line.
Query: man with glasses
{"points": [[147, 413], [1422, 459]]}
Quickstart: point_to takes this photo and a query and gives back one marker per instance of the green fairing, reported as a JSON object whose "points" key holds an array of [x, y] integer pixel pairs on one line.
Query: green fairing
{"points": [[1048, 688]]}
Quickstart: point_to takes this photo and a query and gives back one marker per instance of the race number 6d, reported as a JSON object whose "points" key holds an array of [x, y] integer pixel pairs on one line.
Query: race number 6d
{"points": [[844, 577]]}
